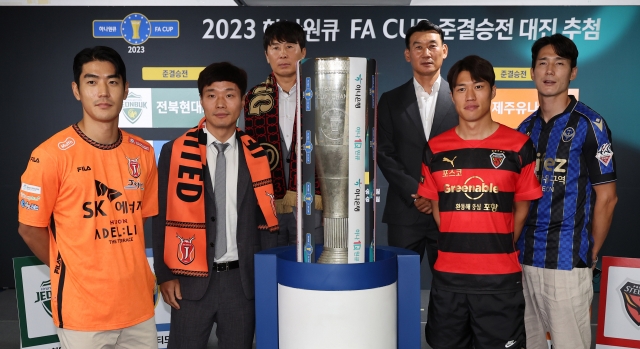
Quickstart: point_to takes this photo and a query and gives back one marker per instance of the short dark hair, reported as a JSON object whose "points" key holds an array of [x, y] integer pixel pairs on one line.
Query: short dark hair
{"points": [[562, 46], [479, 68], [223, 71], [423, 26], [284, 31], [98, 53]]}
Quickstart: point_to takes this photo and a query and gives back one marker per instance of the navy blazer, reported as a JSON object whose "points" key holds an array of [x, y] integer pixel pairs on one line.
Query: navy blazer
{"points": [[401, 144], [250, 240]]}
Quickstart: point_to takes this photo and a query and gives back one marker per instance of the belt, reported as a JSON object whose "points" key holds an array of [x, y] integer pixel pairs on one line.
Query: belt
{"points": [[225, 266]]}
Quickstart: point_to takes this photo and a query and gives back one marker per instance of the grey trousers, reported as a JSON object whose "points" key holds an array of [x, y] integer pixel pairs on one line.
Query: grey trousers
{"points": [[225, 304]]}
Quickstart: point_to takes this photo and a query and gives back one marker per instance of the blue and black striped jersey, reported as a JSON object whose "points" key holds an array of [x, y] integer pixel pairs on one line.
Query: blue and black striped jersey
{"points": [[574, 152]]}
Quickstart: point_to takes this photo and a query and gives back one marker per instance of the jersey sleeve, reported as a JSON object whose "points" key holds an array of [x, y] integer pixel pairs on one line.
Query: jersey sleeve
{"points": [[39, 189], [150, 198], [528, 187], [427, 187], [598, 154]]}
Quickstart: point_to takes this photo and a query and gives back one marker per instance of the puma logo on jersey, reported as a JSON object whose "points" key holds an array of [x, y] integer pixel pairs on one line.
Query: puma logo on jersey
{"points": [[450, 161]]}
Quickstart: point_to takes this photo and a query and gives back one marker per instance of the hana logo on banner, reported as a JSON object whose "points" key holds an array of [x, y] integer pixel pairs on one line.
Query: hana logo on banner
{"points": [[136, 109], [135, 29]]}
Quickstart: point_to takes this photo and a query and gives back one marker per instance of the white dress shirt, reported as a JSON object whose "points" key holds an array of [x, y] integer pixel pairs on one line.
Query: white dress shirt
{"points": [[231, 155], [287, 113], [427, 104]]}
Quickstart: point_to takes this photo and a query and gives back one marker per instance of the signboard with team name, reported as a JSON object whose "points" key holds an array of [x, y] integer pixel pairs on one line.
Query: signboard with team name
{"points": [[33, 293], [619, 312]]}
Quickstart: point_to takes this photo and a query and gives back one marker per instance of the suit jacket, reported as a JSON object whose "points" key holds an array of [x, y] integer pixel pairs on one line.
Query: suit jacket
{"points": [[249, 239], [401, 144]]}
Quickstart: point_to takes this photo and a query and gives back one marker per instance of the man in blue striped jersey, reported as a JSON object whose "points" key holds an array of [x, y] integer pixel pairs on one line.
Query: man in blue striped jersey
{"points": [[566, 228]]}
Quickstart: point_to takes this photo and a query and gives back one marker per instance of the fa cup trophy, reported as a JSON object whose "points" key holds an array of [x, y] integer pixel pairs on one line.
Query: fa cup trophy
{"points": [[340, 130]]}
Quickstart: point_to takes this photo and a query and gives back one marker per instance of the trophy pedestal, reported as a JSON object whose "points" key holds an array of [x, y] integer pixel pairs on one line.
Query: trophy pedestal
{"points": [[372, 305]]}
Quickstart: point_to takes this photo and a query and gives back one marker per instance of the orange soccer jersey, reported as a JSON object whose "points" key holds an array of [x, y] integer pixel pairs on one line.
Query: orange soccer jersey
{"points": [[98, 196]]}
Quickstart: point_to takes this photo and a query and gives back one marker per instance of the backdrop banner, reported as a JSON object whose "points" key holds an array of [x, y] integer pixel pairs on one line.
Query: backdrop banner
{"points": [[165, 48]]}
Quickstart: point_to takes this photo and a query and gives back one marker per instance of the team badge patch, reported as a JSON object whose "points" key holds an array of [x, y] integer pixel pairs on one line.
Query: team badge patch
{"points": [[67, 143], [497, 159], [605, 154], [186, 250], [134, 167], [631, 296], [567, 134]]}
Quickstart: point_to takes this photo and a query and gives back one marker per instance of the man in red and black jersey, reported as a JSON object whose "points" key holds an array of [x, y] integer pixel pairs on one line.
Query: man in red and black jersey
{"points": [[480, 179]]}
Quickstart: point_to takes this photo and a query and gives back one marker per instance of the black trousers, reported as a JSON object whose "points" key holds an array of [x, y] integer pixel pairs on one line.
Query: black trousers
{"points": [[417, 238]]}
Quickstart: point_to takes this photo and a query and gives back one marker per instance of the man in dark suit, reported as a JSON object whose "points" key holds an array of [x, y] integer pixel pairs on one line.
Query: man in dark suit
{"points": [[407, 117], [214, 215]]}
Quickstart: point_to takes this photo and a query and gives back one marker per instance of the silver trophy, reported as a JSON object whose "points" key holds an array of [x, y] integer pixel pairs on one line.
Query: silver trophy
{"points": [[332, 150]]}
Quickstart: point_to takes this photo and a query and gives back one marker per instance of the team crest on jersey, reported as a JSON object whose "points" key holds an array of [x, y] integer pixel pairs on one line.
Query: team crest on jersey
{"points": [[446, 159], [186, 250], [497, 159], [605, 154], [134, 167], [568, 133], [631, 296]]}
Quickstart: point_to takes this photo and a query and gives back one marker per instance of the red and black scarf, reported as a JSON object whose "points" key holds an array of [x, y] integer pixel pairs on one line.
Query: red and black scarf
{"points": [[185, 240], [261, 108]]}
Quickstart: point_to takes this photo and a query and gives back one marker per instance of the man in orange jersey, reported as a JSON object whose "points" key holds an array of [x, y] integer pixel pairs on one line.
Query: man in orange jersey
{"points": [[480, 178], [82, 205]]}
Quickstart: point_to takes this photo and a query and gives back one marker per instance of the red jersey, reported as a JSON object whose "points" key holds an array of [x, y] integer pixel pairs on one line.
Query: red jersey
{"points": [[476, 183]]}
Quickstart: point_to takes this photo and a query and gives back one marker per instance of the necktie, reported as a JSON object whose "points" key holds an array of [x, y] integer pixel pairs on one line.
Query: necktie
{"points": [[220, 196]]}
